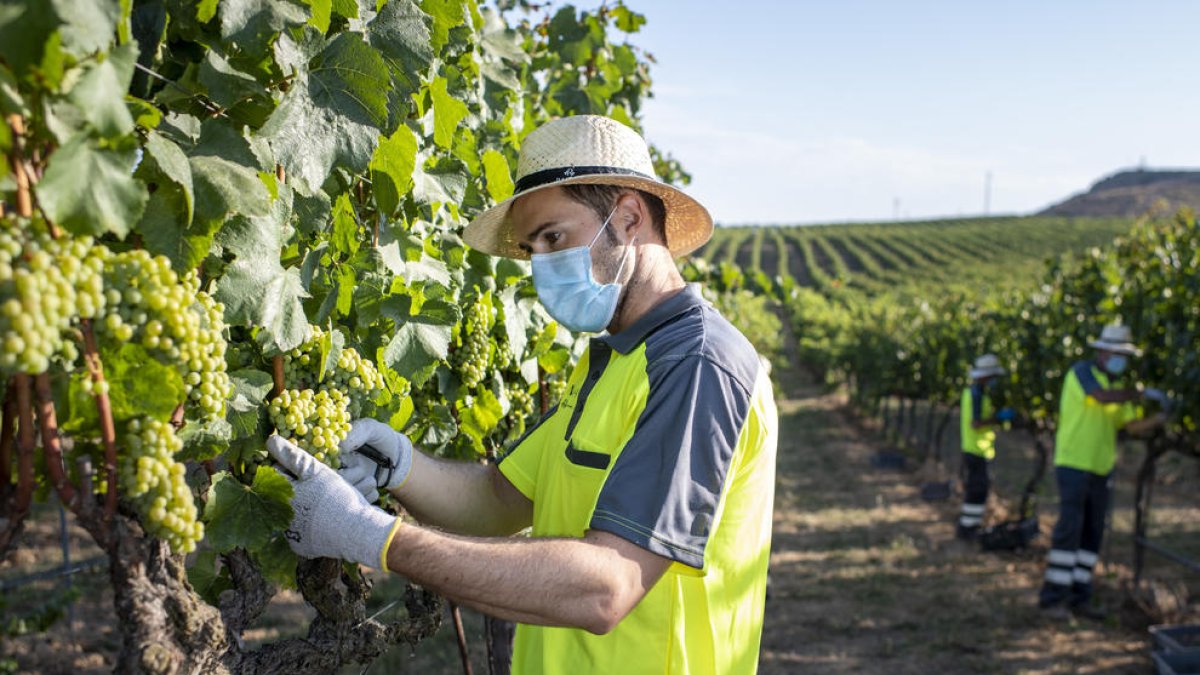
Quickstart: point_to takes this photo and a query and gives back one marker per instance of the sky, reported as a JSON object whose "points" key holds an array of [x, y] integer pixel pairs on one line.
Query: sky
{"points": [[869, 110]]}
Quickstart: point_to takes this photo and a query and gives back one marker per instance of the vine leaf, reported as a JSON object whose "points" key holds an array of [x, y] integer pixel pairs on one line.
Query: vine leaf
{"points": [[250, 391], [401, 32], [447, 112], [139, 386], [258, 291], [479, 419], [392, 168], [333, 115], [251, 24], [495, 172], [89, 190], [99, 92], [247, 516], [174, 165]]}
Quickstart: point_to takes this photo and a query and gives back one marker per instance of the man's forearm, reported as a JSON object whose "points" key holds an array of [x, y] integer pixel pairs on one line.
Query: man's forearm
{"points": [[463, 497], [553, 582]]}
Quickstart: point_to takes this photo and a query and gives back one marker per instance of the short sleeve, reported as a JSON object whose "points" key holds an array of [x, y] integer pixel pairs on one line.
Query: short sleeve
{"points": [[665, 486], [1087, 379], [520, 464]]}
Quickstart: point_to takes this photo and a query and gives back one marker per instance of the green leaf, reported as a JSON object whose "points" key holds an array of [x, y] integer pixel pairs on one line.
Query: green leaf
{"points": [[439, 181], [321, 13], [225, 84], [89, 190], [224, 188], [244, 409], [415, 348], [401, 32], [446, 14], [261, 293], [174, 164], [447, 112], [332, 117], [165, 233], [139, 386], [495, 172], [247, 516], [250, 25], [346, 8], [277, 562], [204, 440], [481, 417], [392, 168], [30, 31], [11, 101], [346, 238], [331, 349], [100, 92], [204, 577]]}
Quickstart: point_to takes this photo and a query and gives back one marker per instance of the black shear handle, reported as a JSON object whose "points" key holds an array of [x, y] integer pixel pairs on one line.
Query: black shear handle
{"points": [[384, 466]]}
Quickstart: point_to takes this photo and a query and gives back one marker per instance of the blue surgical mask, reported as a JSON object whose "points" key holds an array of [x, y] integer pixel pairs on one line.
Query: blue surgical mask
{"points": [[565, 286], [1116, 364]]}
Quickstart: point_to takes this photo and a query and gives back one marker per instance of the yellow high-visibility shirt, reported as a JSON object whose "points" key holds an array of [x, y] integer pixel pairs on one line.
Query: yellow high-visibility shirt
{"points": [[665, 437], [1087, 429]]}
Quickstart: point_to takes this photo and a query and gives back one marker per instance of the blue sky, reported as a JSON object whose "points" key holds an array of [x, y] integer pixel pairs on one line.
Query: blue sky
{"points": [[806, 111]]}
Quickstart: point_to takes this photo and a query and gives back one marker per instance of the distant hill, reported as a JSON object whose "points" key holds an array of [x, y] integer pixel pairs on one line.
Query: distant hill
{"points": [[1131, 193]]}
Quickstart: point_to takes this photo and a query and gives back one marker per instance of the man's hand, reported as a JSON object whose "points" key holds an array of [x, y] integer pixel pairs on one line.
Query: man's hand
{"points": [[1157, 395], [375, 457], [332, 520], [1006, 415]]}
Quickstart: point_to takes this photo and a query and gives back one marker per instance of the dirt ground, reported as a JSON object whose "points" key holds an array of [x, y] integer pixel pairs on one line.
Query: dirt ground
{"points": [[865, 575]]}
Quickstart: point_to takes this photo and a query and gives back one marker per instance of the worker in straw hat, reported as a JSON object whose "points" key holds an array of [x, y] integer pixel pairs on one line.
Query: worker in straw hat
{"points": [[648, 488], [979, 417], [1092, 408]]}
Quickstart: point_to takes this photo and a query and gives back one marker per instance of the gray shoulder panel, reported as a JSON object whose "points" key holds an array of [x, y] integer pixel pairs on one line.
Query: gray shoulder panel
{"points": [[663, 491]]}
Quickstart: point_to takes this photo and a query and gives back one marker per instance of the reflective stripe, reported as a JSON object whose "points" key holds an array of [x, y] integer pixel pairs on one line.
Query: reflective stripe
{"points": [[970, 521], [973, 509], [1083, 575], [1062, 558], [1058, 576], [1086, 558]]}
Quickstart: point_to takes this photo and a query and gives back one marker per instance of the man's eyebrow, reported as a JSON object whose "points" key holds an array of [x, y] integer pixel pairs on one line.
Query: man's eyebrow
{"points": [[533, 235]]}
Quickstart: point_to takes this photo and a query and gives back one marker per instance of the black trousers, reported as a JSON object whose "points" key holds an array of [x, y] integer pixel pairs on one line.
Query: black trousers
{"points": [[1075, 544], [977, 481]]}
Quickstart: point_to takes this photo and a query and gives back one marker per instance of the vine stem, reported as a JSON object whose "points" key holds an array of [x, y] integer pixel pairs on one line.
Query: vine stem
{"points": [[277, 375], [20, 171], [52, 443], [461, 636], [26, 443], [7, 433], [108, 432]]}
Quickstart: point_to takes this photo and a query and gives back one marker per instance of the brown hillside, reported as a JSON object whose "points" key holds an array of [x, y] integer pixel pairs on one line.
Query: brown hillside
{"points": [[1132, 193]]}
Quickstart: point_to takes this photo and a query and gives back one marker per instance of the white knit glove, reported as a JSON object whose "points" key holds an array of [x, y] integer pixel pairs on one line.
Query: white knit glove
{"points": [[392, 454], [332, 520]]}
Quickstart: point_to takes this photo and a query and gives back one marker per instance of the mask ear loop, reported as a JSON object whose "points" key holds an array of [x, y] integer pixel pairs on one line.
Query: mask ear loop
{"points": [[602, 226]]}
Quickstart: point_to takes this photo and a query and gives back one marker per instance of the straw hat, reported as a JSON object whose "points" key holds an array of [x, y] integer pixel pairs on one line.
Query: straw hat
{"points": [[986, 366], [596, 150], [1116, 338]]}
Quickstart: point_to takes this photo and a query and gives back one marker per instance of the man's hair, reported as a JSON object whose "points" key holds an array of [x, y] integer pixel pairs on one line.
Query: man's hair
{"points": [[602, 198]]}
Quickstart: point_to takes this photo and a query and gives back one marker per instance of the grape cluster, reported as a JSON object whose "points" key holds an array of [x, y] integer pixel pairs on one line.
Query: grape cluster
{"points": [[45, 284], [471, 357], [504, 358], [353, 375], [155, 482], [169, 315], [520, 401], [317, 421]]}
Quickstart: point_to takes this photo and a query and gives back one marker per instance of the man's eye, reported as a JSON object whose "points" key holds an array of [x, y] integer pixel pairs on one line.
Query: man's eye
{"points": [[553, 237]]}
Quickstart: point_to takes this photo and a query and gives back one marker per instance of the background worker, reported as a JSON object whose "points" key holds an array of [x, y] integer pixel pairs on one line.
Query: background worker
{"points": [[978, 419], [1093, 407], [649, 487]]}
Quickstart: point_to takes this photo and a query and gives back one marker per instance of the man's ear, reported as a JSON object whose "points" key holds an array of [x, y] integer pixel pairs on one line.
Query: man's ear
{"points": [[632, 217]]}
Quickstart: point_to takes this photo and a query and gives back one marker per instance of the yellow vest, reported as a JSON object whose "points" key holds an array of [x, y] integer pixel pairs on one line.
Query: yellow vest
{"points": [[981, 441], [1087, 428]]}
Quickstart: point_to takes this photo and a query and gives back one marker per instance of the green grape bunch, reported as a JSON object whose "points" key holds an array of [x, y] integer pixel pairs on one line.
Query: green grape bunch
{"points": [[317, 421], [352, 374], [471, 357], [46, 285], [155, 484], [147, 302]]}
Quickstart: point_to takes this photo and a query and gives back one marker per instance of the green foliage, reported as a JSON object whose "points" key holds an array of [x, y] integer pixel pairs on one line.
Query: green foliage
{"points": [[270, 168]]}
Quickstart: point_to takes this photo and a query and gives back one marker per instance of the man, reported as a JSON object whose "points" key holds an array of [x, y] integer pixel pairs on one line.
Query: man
{"points": [[649, 486], [1092, 408], [978, 419]]}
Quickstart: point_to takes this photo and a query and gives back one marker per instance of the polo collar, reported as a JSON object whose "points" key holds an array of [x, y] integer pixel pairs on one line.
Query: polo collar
{"points": [[628, 339]]}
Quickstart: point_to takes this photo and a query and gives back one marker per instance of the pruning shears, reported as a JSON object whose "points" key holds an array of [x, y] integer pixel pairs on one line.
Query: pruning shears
{"points": [[384, 466]]}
